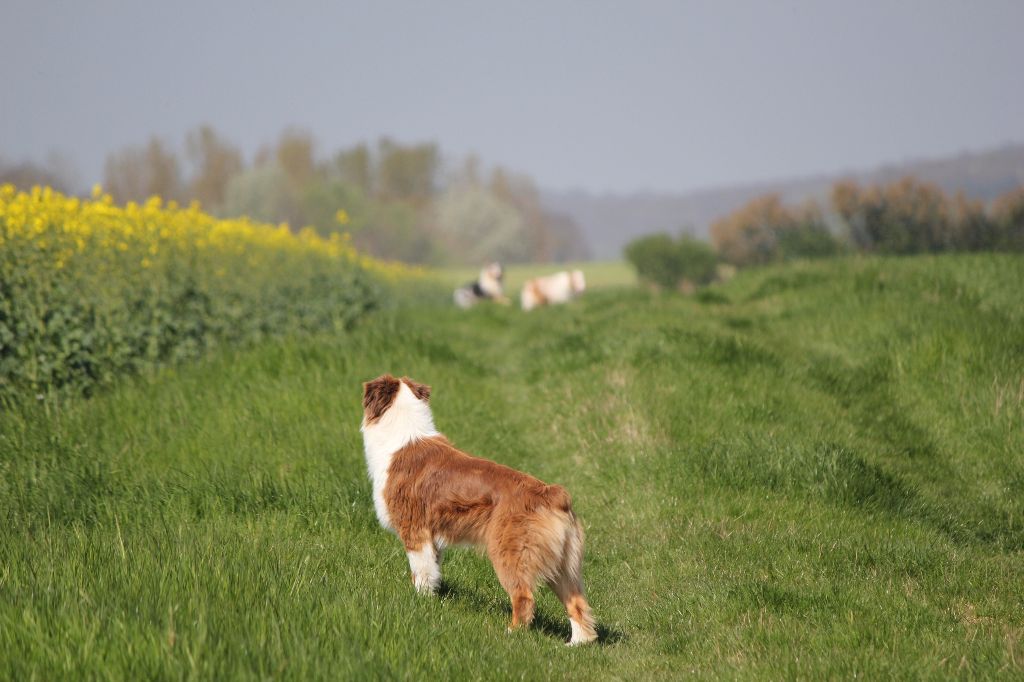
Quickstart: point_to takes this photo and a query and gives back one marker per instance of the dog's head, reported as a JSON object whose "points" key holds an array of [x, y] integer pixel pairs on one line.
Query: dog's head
{"points": [[381, 393], [493, 271]]}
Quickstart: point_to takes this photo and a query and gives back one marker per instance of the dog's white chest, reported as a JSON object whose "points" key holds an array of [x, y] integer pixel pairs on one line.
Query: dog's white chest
{"points": [[379, 505], [408, 420]]}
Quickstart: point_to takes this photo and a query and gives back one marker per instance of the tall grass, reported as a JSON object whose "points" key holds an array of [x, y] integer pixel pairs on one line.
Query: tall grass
{"points": [[811, 471]]}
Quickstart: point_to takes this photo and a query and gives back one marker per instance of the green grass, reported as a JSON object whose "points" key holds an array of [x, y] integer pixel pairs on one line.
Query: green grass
{"points": [[811, 471], [599, 274]]}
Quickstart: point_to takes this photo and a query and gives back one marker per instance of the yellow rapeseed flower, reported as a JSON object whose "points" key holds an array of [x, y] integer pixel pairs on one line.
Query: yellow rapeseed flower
{"points": [[75, 229]]}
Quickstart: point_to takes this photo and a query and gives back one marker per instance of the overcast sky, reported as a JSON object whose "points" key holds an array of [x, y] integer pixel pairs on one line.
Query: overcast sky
{"points": [[619, 96]]}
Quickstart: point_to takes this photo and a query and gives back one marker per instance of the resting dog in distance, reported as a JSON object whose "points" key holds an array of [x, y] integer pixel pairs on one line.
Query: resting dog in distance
{"points": [[433, 495], [557, 288], [488, 286]]}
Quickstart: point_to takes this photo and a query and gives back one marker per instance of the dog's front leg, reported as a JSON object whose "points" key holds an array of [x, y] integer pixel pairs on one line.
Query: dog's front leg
{"points": [[425, 566]]}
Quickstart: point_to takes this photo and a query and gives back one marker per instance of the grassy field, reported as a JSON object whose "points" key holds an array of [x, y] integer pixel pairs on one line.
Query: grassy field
{"points": [[812, 471], [599, 275]]}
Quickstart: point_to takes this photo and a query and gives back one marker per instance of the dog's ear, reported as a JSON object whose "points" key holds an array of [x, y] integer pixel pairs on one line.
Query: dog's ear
{"points": [[421, 391], [378, 396]]}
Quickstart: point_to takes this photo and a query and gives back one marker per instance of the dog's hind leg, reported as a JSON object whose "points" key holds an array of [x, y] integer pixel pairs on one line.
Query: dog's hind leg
{"points": [[518, 583], [522, 607], [581, 620], [568, 585]]}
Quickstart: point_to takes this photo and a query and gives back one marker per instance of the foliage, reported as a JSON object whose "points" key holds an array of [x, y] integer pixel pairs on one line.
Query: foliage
{"points": [[136, 173], [407, 172], [396, 203], [814, 474], [486, 227], [261, 193], [908, 216], [216, 162], [1008, 216], [807, 235], [903, 217], [765, 231], [89, 290], [668, 263], [57, 172]]}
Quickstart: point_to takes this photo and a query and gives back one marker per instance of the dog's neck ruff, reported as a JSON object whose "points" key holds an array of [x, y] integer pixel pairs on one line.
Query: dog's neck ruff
{"points": [[489, 284], [407, 420]]}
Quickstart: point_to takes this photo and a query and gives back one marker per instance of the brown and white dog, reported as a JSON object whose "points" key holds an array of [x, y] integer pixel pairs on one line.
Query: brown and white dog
{"points": [[433, 496], [557, 288]]}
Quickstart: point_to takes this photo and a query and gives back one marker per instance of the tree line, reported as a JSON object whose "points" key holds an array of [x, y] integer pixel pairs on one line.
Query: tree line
{"points": [[903, 217], [900, 218], [396, 201]]}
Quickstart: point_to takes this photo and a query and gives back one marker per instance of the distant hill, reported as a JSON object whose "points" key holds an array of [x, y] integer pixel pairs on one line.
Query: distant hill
{"points": [[610, 221]]}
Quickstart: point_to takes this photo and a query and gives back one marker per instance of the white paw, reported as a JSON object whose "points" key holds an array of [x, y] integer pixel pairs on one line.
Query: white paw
{"points": [[425, 587], [579, 635]]}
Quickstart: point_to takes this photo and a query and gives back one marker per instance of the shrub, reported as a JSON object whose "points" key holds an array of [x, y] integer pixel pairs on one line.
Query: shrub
{"points": [[669, 263], [806, 235], [908, 216], [749, 236], [1008, 216], [89, 290], [765, 231], [900, 218]]}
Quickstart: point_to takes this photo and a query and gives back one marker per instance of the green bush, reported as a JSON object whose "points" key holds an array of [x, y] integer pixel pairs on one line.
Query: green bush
{"points": [[668, 263]]}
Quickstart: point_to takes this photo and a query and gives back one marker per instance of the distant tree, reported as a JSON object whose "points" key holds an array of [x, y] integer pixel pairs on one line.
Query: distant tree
{"points": [[137, 173], [805, 234], [294, 155], [406, 172], [262, 193], [355, 168], [215, 163], [26, 175], [848, 200], [973, 228], [566, 239], [519, 192], [477, 226], [750, 235], [904, 217], [324, 197], [1008, 218], [399, 231]]}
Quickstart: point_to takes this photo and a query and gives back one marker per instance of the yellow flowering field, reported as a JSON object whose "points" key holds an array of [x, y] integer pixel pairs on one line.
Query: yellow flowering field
{"points": [[89, 289]]}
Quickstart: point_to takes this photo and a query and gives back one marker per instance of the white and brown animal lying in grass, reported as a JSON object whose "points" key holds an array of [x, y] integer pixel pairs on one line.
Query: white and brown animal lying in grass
{"points": [[557, 288], [433, 496], [487, 287]]}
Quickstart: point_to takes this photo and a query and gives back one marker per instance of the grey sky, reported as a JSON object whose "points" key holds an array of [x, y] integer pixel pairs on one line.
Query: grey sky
{"points": [[596, 95]]}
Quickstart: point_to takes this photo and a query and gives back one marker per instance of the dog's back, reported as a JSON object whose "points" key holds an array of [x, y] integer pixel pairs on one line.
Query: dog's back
{"points": [[559, 287]]}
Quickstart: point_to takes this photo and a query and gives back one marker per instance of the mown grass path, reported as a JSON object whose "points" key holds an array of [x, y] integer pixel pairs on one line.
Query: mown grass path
{"points": [[813, 471]]}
